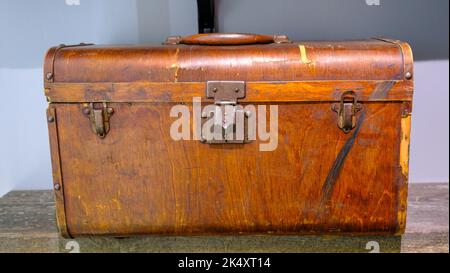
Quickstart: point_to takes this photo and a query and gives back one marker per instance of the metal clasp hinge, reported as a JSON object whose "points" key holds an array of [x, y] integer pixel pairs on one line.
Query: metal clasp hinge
{"points": [[99, 117], [346, 110], [230, 121]]}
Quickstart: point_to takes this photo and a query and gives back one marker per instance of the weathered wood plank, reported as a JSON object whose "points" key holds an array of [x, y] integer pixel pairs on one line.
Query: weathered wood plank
{"points": [[256, 92]]}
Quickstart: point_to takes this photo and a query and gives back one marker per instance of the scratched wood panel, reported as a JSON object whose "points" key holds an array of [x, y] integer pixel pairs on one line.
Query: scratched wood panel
{"points": [[319, 180], [27, 224], [369, 59], [255, 91]]}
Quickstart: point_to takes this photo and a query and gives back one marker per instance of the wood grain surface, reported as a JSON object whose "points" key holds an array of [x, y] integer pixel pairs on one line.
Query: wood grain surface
{"points": [[298, 61], [139, 181], [256, 92], [27, 224]]}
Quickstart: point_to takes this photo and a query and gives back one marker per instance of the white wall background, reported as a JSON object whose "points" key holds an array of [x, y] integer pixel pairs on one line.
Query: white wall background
{"points": [[29, 28]]}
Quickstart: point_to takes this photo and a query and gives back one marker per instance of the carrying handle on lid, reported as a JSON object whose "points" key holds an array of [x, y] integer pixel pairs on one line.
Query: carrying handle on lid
{"points": [[226, 39]]}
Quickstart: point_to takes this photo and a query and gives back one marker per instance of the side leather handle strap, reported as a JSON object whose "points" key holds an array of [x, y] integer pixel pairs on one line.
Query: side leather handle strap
{"points": [[226, 39]]}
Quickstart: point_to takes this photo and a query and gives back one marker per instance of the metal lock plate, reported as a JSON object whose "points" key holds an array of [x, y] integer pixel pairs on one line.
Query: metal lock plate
{"points": [[225, 92], [227, 122]]}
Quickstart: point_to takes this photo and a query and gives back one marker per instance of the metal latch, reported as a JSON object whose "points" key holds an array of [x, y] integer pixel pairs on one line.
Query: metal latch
{"points": [[99, 117], [346, 110], [228, 120]]}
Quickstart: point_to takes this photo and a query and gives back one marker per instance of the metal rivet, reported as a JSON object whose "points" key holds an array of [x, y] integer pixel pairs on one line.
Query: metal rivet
{"points": [[57, 186], [110, 110], [248, 113], [214, 90], [405, 112], [236, 90], [49, 76], [408, 75], [86, 111], [50, 118]]}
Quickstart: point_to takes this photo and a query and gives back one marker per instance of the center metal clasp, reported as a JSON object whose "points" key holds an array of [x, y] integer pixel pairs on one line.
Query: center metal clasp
{"points": [[229, 120]]}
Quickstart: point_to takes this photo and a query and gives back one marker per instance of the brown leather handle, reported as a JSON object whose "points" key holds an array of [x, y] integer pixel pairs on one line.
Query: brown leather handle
{"points": [[226, 39]]}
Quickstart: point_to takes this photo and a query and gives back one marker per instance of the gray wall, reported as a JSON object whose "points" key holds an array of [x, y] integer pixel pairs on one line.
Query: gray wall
{"points": [[423, 23], [30, 27]]}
